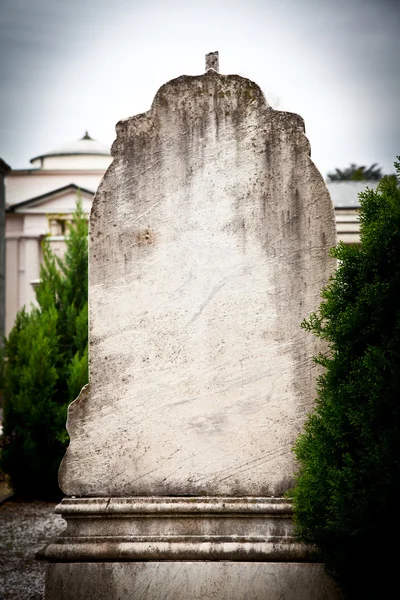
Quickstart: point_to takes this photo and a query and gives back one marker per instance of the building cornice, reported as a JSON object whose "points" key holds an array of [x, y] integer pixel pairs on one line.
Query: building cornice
{"points": [[47, 195], [42, 172], [4, 167]]}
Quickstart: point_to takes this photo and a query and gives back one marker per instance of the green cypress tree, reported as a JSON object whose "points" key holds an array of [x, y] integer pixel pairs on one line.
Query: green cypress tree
{"points": [[45, 366], [348, 483]]}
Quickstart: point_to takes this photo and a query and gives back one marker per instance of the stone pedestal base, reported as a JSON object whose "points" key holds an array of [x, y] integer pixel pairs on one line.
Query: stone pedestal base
{"points": [[188, 581], [181, 549]]}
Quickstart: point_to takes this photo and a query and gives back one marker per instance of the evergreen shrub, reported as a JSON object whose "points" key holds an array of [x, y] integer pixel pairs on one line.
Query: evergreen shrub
{"points": [[348, 483], [45, 365]]}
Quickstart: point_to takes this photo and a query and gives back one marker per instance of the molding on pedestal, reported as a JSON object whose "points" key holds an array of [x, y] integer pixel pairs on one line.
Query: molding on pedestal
{"points": [[176, 529]]}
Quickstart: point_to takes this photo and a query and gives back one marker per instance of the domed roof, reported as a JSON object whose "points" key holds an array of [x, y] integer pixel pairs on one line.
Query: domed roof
{"points": [[86, 145]]}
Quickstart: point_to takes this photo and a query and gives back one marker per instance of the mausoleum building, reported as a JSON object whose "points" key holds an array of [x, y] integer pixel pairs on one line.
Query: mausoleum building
{"points": [[39, 202]]}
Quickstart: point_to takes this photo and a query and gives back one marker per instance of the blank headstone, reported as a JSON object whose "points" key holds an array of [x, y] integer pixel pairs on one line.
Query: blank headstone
{"points": [[209, 239]]}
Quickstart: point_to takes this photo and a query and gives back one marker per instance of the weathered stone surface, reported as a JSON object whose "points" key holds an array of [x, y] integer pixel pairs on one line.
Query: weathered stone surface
{"points": [[189, 581], [209, 243]]}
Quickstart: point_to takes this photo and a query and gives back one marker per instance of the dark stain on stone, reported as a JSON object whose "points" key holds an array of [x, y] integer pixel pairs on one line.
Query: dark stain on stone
{"points": [[145, 237]]}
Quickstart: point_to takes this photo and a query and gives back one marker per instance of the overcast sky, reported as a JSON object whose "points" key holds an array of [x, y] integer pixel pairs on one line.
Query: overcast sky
{"points": [[71, 65]]}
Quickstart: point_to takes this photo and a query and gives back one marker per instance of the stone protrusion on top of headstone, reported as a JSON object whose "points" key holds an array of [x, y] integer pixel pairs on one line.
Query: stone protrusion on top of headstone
{"points": [[212, 61]]}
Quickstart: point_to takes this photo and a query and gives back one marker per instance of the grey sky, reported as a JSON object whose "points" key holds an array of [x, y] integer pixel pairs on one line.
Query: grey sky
{"points": [[71, 65]]}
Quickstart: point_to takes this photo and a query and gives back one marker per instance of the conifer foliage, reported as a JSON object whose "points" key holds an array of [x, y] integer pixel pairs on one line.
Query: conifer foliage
{"points": [[45, 366], [348, 483], [357, 173]]}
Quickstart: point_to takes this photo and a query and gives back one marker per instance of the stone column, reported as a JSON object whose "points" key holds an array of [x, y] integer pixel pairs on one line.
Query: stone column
{"points": [[4, 169], [209, 239], [12, 280], [32, 268]]}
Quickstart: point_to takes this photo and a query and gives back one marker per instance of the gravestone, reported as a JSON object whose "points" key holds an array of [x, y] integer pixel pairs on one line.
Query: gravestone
{"points": [[209, 238]]}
